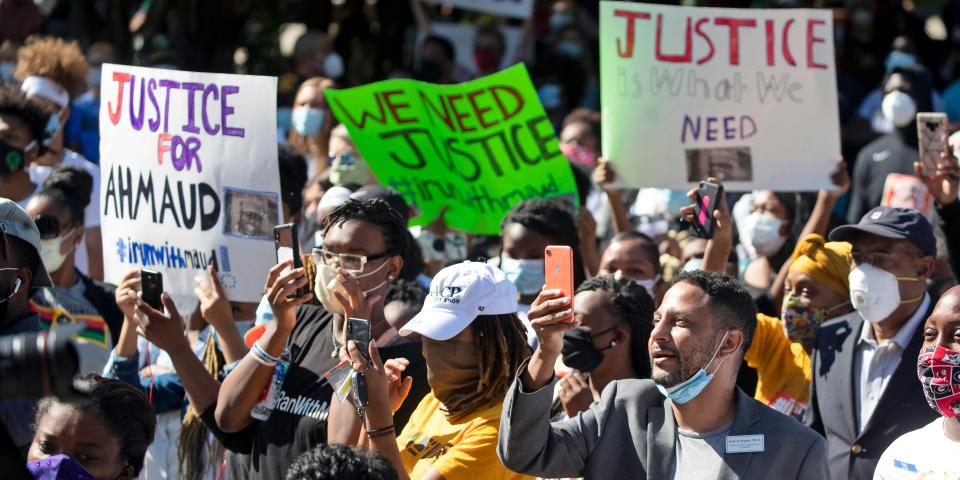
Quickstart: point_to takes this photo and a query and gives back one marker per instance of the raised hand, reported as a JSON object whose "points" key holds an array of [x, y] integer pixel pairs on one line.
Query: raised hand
{"points": [[126, 293], [280, 286], [943, 184], [214, 304], [604, 175], [550, 315], [398, 386], [355, 303], [164, 331], [575, 394]]}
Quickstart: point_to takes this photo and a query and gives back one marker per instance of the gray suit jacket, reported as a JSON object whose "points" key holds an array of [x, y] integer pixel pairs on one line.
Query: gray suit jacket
{"points": [[631, 433]]}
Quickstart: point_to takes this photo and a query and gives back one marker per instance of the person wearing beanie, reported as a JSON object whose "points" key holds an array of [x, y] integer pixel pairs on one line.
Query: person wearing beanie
{"points": [[816, 290]]}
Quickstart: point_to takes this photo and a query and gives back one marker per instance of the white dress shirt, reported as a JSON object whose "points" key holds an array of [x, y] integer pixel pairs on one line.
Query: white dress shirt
{"points": [[874, 364]]}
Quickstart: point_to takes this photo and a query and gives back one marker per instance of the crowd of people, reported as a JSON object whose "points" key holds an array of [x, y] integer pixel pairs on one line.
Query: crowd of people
{"points": [[814, 335]]}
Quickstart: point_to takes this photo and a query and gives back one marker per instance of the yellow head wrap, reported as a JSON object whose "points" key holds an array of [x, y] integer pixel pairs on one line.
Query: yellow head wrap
{"points": [[826, 262]]}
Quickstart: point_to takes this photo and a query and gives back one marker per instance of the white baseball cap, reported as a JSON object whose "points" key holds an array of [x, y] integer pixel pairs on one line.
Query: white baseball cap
{"points": [[457, 295]]}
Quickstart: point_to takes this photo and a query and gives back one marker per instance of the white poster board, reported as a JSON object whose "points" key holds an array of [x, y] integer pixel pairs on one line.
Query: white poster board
{"points": [[189, 177], [505, 8], [747, 95]]}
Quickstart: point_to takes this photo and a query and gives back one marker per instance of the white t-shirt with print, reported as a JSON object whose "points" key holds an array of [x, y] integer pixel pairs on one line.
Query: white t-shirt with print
{"points": [[926, 453]]}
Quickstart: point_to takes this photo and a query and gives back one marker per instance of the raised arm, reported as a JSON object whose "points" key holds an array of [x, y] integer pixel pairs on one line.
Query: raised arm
{"points": [[215, 308], [717, 253], [605, 177], [166, 332], [944, 187], [420, 16], [241, 389]]}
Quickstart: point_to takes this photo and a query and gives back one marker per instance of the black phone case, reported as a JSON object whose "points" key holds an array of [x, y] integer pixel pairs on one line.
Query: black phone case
{"points": [[152, 286], [706, 229], [295, 246], [362, 339]]}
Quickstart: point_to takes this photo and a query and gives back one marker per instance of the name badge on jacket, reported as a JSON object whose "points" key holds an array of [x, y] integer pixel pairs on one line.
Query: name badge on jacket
{"points": [[744, 443]]}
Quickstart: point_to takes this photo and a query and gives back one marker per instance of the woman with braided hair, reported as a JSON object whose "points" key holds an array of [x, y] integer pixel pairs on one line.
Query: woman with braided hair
{"points": [[473, 342]]}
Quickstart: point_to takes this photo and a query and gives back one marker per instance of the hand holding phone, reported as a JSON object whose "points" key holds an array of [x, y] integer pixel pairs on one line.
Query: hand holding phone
{"points": [[358, 330], [151, 284], [706, 200], [558, 266], [288, 248]]}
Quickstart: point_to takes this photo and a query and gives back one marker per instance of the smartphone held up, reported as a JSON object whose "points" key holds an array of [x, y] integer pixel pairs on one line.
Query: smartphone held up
{"points": [[707, 199], [558, 269], [151, 285], [288, 249], [931, 139]]}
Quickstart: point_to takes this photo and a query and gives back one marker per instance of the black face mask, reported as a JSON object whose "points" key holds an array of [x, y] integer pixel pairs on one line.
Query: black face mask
{"points": [[578, 350], [12, 159]]}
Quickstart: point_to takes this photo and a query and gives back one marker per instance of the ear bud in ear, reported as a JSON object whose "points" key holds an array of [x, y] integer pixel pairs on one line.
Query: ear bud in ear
{"points": [[16, 286], [613, 343]]}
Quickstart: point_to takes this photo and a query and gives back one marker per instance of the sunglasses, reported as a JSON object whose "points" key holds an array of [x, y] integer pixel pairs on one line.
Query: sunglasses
{"points": [[49, 226]]}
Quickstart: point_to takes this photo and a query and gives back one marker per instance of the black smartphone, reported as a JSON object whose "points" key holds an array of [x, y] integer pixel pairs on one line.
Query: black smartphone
{"points": [[358, 330], [151, 284], [288, 248], [708, 197]]}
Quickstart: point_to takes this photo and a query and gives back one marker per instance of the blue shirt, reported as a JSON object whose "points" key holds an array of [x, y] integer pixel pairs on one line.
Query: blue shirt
{"points": [[83, 127]]}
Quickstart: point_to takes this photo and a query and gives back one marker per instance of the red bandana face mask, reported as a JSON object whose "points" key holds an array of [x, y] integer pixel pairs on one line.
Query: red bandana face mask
{"points": [[939, 371]]}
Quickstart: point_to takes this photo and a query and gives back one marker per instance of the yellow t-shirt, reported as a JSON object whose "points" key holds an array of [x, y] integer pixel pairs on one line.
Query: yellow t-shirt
{"points": [[783, 368], [466, 449]]}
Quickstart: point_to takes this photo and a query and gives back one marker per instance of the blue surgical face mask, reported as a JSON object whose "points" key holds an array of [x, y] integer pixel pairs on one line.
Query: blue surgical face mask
{"points": [[307, 121], [6, 71], [689, 389], [899, 59], [570, 49], [526, 275], [692, 265]]}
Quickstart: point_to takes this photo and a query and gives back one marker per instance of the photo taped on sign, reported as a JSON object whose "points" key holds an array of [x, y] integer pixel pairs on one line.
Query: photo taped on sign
{"points": [[250, 214]]}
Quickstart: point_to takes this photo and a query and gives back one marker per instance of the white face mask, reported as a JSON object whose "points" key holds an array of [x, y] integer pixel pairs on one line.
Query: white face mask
{"points": [[326, 283], [875, 293], [648, 284], [763, 233], [50, 252], [899, 108]]}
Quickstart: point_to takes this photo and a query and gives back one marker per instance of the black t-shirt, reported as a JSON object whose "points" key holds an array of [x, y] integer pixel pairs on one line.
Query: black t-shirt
{"points": [[885, 155], [417, 369], [299, 421]]}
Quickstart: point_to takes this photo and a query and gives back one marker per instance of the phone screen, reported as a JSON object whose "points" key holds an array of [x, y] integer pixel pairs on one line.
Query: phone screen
{"points": [[283, 239], [151, 284], [358, 330]]}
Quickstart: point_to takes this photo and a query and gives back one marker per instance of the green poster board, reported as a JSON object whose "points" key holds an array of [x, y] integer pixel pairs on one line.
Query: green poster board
{"points": [[478, 148]]}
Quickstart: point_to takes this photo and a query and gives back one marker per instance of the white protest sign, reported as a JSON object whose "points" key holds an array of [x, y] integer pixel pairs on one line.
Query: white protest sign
{"points": [[506, 8], [746, 95], [189, 169]]}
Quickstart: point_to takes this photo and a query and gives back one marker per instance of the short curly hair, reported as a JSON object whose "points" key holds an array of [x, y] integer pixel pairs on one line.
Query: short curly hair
{"points": [[13, 102], [56, 59], [340, 462]]}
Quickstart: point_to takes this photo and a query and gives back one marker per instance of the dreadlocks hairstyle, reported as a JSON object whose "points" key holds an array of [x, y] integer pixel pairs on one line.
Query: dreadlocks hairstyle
{"points": [[376, 212], [122, 408], [409, 292], [195, 438], [634, 308], [14, 103], [501, 342], [56, 59], [551, 219]]}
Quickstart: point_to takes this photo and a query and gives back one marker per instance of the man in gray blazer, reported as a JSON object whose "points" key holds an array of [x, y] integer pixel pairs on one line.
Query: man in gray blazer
{"points": [[705, 428]]}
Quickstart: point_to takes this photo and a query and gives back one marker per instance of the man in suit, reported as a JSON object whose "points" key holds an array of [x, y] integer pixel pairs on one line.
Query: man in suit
{"points": [[865, 392], [705, 428]]}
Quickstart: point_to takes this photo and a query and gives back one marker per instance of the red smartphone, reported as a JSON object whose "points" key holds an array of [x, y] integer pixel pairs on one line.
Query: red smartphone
{"points": [[558, 267]]}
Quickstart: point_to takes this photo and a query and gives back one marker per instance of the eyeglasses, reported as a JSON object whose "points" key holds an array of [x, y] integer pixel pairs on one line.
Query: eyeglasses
{"points": [[883, 260], [49, 226], [348, 261]]}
